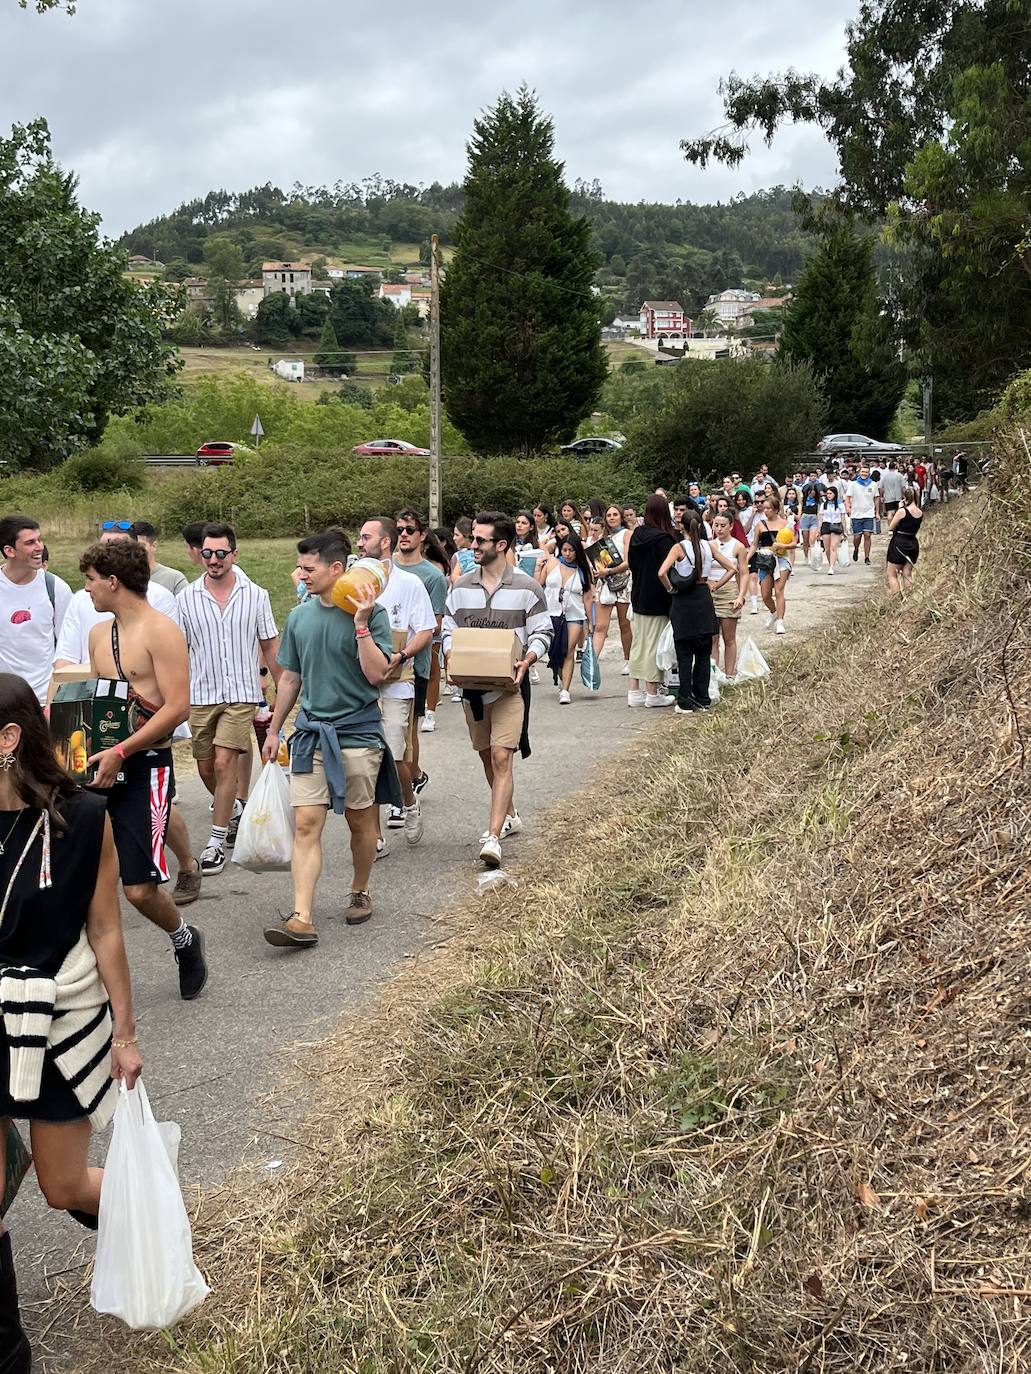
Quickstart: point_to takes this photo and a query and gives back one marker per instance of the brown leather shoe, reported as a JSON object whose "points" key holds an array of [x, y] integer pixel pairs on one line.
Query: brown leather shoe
{"points": [[293, 933], [187, 886], [359, 909]]}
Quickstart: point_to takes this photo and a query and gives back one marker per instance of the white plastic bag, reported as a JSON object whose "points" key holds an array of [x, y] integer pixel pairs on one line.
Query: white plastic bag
{"points": [[750, 663], [817, 558], [717, 675], [665, 653], [714, 688], [844, 558], [144, 1271], [265, 839]]}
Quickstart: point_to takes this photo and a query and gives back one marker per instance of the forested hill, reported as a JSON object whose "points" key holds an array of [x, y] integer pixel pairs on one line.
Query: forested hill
{"points": [[655, 251]]}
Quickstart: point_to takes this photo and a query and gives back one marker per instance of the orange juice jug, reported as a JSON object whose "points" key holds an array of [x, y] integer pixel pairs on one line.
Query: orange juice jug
{"points": [[77, 753], [367, 574], [283, 757]]}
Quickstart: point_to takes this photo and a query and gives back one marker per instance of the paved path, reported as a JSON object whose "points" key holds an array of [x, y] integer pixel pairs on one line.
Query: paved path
{"points": [[208, 1063]]}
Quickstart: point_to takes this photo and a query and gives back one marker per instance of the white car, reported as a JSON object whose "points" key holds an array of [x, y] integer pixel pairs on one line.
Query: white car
{"points": [[858, 442]]}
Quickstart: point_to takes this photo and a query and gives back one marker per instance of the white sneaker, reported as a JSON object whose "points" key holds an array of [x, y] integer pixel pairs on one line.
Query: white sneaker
{"points": [[456, 695], [563, 697], [413, 824], [635, 698], [513, 825], [779, 627], [396, 819], [490, 851], [429, 723], [753, 606], [382, 849], [626, 668], [534, 675], [771, 620], [830, 572], [659, 700]]}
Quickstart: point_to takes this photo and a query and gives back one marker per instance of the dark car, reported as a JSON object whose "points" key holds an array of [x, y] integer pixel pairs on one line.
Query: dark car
{"points": [[580, 448], [389, 448]]}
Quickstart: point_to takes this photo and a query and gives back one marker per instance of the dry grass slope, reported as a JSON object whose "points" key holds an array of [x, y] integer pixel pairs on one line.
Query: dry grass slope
{"points": [[739, 1078]]}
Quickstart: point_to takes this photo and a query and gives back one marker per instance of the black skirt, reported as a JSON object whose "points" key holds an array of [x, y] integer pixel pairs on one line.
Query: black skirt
{"points": [[56, 1101], [902, 549], [692, 613]]}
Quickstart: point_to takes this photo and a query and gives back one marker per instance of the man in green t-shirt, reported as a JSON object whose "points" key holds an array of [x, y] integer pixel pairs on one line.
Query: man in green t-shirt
{"points": [[334, 663]]}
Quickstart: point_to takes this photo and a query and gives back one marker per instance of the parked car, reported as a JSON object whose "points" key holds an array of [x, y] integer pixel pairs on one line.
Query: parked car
{"points": [[580, 448], [388, 448], [217, 451], [856, 443]]}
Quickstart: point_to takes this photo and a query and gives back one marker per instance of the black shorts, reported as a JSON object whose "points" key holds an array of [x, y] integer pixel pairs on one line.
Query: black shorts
{"points": [[890, 507], [829, 529], [753, 563], [422, 685], [139, 809]]}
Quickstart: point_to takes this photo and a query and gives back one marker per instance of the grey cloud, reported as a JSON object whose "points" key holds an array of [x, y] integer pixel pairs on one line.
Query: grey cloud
{"points": [[154, 104]]}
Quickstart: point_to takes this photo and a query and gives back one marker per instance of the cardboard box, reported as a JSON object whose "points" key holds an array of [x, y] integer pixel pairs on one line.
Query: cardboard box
{"points": [[404, 672], [74, 672], [88, 716], [484, 660]]}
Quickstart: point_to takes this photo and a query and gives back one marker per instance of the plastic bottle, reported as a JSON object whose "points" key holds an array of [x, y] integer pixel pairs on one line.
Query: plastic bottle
{"points": [[283, 757], [77, 753], [365, 575]]}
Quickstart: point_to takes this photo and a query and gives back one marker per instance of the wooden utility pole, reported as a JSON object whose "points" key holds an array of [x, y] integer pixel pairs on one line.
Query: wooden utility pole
{"points": [[435, 475]]}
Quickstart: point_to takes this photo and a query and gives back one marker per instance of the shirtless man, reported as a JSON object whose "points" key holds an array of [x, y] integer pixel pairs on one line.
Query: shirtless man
{"points": [[146, 649]]}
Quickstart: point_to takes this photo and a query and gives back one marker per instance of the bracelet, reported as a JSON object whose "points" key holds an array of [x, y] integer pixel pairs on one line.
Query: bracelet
{"points": [[124, 1044], [120, 751], [362, 634]]}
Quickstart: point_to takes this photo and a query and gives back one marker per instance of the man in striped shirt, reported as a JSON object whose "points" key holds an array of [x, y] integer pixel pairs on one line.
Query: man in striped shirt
{"points": [[496, 596], [226, 619]]}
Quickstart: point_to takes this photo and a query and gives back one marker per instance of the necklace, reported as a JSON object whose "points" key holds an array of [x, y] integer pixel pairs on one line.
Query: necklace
{"points": [[10, 832]]}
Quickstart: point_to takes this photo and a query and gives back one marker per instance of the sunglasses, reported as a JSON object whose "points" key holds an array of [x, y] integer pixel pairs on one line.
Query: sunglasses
{"points": [[477, 539], [409, 529], [116, 525], [220, 554]]}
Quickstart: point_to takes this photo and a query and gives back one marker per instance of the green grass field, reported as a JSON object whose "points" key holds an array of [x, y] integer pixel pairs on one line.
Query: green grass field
{"points": [[205, 362]]}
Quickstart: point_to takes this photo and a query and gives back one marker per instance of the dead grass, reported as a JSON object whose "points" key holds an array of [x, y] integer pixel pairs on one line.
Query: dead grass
{"points": [[737, 1080]]}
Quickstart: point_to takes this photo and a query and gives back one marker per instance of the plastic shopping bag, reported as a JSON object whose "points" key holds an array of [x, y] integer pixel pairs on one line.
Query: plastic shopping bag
{"points": [[665, 653], [817, 558], [843, 555], [750, 663], [590, 668], [144, 1272], [714, 686], [265, 839], [717, 675]]}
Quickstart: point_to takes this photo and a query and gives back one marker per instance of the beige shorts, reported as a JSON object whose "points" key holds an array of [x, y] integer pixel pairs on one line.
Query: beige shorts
{"points": [[502, 723], [227, 726], [397, 725], [361, 769]]}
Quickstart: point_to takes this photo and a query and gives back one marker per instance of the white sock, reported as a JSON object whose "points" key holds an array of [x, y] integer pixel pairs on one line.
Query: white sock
{"points": [[218, 837]]}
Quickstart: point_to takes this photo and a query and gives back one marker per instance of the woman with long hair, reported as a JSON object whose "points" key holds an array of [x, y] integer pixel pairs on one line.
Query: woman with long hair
{"points": [[525, 551], [446, 539], [831, 525], [686, 572], [748, 515], [434, 552], [904, 544], [568, 583], [543, 520], [62, 957], [614, 588], [463, 560], [646, 550], [727, 590], [770, 551], [569, 511]]}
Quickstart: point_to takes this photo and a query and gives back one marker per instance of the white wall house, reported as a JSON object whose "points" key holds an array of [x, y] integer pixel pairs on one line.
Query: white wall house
{"points": [[734, 307], [290, 278], [290, 369]]}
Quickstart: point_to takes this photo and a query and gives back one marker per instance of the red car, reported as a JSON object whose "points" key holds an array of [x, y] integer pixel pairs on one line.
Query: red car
{"points": [[387, 448], [214, 452]]}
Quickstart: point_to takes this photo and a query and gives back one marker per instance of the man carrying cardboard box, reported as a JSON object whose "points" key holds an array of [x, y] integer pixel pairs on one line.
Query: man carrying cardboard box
{"points": [[412, 621], [496, 596]]}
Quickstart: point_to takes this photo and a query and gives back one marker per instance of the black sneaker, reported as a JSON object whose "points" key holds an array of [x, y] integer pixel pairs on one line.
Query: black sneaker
{"points": [[419, 785], [234, 826], [855, 555], [212, 860], [193, 967]]}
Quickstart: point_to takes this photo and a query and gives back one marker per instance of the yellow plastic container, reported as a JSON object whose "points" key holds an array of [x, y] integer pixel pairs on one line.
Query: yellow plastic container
{"points": [[368, 574], [786, 535]]}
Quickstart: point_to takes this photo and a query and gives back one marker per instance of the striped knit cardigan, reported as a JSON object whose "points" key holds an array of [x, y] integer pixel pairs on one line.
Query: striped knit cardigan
{"points": [[67, 1017]]}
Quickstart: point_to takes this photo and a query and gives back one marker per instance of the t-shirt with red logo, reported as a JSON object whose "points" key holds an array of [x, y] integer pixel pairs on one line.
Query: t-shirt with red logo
{"points": [[28, 628]]}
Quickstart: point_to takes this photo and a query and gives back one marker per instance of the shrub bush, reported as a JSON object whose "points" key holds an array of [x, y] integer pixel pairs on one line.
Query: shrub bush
{"points": [[101, 470]]}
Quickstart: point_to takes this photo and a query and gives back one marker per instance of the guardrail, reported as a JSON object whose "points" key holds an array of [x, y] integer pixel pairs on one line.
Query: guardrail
{"points": [[169, 460]]}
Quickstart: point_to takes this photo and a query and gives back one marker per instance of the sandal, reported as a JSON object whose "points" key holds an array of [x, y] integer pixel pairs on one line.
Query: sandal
{"points": [[291, 932]]}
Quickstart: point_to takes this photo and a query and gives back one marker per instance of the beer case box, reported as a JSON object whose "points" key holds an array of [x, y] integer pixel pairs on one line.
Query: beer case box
{"points": [[484, 660], [402, 672], [72, 672], [88, 716]]}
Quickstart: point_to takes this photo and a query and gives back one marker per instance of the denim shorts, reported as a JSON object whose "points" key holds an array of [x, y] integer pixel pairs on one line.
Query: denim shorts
{"points": [[809, 522], [862, 524]]}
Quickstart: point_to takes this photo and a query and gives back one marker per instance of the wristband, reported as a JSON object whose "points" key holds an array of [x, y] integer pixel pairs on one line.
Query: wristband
{"points": [[120, 751], [362, 634]]}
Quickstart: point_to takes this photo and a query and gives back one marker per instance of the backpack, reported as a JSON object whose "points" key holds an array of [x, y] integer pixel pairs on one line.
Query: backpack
{"points": [[51, 585]]}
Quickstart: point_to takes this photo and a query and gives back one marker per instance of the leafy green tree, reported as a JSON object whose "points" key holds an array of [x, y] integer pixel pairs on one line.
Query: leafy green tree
{"points": [[835, 324], [79, 341], [931, 120], [188, 331], [360, 317], [714, 417], [177, 270], [707, 322], [276, 320], [403, 359], [354, 394], [223, 257], [328, 354], [522, 361]]}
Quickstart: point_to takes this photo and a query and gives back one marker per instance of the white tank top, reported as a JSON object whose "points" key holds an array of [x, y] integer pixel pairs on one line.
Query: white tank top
{"points": [[564, 594], [684, 564], [729, 548]]}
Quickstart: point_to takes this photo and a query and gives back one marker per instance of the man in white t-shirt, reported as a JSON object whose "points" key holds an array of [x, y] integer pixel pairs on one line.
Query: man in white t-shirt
{"points": [[407, 603], [861, 507], [32, 605]]}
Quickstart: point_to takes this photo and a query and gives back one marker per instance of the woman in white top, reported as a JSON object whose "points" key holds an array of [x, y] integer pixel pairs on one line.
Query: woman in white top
{"points": [[543, 520], [614, 589], [686, 572], [569, 512], [728, 590], [831, 524], [568, 584]]}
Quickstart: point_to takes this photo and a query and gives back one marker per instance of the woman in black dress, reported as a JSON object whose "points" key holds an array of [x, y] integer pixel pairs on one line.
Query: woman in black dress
{"points": [[904, 544], [61, 951]]}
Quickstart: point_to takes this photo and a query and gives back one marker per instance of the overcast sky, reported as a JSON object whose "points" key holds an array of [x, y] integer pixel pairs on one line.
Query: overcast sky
{"points": [[155, 103]]}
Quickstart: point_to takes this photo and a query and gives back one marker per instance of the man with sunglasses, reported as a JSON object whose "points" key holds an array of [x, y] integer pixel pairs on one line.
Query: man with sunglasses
{"points": [[226, 620], [410, 554], [33, 604]]}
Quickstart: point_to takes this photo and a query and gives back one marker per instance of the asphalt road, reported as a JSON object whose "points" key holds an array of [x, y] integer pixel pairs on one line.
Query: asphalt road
{"points": [[209, 1063]]}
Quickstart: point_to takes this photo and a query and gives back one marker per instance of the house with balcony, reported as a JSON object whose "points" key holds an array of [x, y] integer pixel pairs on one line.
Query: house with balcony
{"points": [[734, 308], [663, 318]]}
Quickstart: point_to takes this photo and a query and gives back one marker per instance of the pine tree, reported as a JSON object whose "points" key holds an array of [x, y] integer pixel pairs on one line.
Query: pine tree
{"points": [[835, 323], [522, 361], [328, 353], [403, 360]]}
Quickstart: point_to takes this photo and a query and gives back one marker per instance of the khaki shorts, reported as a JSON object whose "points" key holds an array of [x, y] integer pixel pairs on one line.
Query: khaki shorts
{"points": [[228, 726], [502, 723], [398, 720], [361, 769]]}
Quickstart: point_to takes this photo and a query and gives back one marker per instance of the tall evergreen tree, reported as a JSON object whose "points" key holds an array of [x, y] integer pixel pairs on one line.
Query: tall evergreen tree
{"points": [[327, 354], [522, 361], [835, 324]]}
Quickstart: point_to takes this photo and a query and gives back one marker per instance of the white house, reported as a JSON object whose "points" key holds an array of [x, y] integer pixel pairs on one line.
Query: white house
{"points": [[398, 296], [249, 295], [289, 278], [734, 307], [290, 369]]}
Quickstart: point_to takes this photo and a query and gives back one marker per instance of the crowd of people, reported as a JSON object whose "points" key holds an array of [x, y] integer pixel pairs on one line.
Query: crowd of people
{"points": [[344, 698]]}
